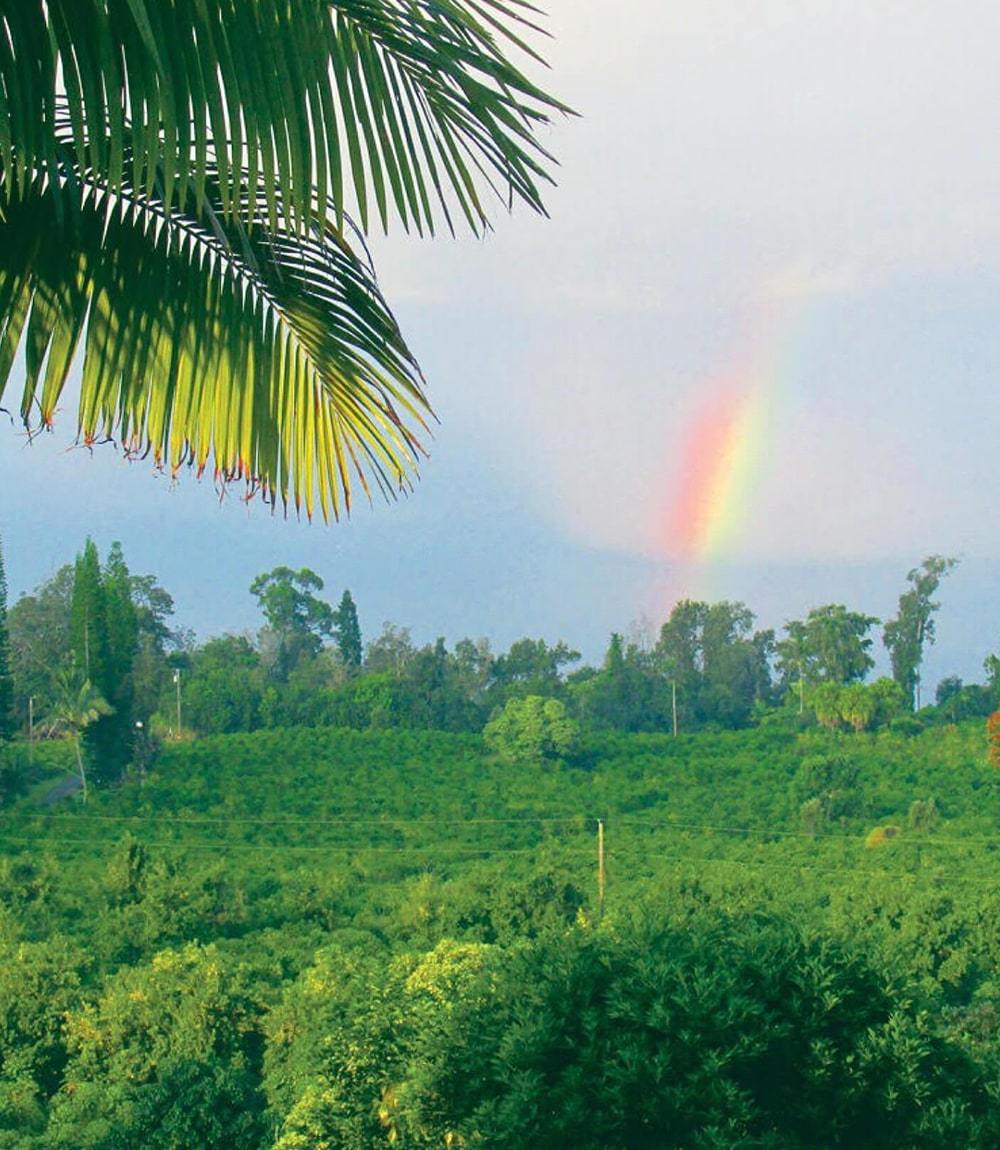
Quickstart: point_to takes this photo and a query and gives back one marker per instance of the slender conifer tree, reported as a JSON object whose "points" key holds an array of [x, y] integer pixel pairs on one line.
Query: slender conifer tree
{"points": [[88, 617], [114, 733], [104, 635], [349, 633], [6, 677]]}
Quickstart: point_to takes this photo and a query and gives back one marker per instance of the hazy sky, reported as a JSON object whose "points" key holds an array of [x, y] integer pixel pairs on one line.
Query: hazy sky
{"points": [[798, 200]]}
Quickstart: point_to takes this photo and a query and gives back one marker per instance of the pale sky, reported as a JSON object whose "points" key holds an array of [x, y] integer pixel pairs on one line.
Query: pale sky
{"points": [[805, 193]]}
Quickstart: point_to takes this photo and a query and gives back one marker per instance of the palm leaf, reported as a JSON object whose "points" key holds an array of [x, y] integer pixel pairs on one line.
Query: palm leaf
{"points": [[402, 101], [175, 185], [209, 340]]}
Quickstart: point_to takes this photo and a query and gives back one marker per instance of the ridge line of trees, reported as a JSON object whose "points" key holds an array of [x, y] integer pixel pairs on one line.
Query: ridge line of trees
{"points": [[97, 625]]}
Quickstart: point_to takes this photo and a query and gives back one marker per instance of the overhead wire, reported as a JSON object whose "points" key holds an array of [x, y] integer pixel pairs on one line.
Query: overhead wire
{"points": [[390, 821], [615, 850]]}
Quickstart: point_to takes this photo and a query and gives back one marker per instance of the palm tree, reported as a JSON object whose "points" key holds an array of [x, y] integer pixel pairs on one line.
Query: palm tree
{"points": [[175, 185], [77, 704]]}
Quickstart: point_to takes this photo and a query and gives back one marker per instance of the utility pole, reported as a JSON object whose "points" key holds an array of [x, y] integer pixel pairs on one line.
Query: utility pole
{"points": [[673, 703], [601, 875], [920, 656], [177, 684], [31, 730], [802, 694], [140, 750]]}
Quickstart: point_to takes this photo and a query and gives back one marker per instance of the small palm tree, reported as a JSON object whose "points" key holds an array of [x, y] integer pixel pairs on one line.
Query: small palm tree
{"points": [[175, 182], [77, 704]]}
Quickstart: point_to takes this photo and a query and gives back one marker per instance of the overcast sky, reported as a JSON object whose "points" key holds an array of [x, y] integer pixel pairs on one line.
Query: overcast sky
{"points": [[806, 192]]}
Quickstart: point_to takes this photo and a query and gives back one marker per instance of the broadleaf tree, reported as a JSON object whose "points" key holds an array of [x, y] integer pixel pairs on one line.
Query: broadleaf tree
{"points": [[831, 645], [532, 730], [297, 619], [907, 634], [715, 660], [40, 639]]}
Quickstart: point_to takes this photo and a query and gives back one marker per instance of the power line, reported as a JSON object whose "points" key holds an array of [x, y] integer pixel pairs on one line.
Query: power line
{"points": [[338, 816], [272, 848], [390, 821], [612, 853], [769, 865], [901, 837]]}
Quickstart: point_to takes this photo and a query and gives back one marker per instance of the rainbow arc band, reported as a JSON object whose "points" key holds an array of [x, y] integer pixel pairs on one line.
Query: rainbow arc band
{"points": [[716, 474]]}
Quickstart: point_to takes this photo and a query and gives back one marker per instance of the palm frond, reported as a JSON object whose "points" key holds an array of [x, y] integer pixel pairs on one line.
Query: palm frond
{"points": [[176, 179], [77, 703], [407, 105], [209, 339]]}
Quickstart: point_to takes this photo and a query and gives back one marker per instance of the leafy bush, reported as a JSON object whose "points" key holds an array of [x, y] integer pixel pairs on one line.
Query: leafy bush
{"points": [[533, 730], [723, 1031]]}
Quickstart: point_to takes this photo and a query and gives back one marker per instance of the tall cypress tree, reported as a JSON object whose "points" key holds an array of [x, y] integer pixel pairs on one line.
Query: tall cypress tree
{"points": [[348, 633], [90, 638], [113, 734], [89, 618], [7, 722]]}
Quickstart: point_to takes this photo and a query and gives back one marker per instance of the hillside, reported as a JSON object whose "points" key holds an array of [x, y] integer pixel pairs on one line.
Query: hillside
{"points": [[280, 849]]}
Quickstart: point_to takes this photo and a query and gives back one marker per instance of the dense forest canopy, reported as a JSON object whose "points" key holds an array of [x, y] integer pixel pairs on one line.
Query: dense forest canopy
{"points": [[708, 668]]}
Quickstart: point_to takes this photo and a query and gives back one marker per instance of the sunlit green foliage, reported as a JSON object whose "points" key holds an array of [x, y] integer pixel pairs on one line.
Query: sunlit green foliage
{"points": [[856, 706], [724, 1031], [166, 1057], [360, 936], [533, 730]]}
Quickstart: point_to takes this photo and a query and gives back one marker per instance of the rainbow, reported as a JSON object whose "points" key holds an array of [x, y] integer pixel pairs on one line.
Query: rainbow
{"points": [[723, 448], [716, 471]]}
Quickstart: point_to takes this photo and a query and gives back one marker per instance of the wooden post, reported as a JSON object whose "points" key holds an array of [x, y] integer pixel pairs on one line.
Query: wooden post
{"points": [[601, 875]]}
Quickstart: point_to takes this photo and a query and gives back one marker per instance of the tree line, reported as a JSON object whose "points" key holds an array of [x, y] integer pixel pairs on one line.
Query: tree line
{"points": [[95, 652]]}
